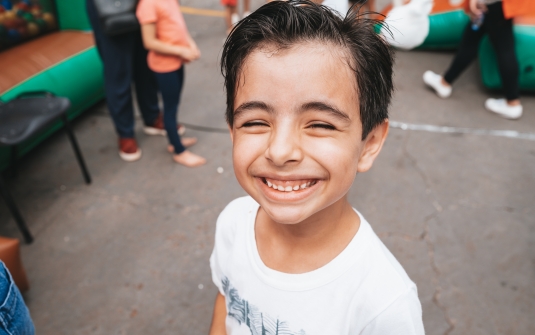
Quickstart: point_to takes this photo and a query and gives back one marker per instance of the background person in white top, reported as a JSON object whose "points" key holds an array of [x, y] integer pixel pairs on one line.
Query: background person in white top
{"points": [[307, 107]]}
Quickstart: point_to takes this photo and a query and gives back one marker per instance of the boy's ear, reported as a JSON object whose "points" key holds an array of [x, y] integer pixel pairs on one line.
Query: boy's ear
{"points": [[372, 146]]}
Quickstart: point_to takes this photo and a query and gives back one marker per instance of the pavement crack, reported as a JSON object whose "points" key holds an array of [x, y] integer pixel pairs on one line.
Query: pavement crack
{"points": [[436, 275], [425, 236]]}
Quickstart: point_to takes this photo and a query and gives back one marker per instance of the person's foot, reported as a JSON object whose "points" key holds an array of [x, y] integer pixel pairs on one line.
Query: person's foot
{"points": [[502, 108], [186, 141], [128, 149], [189, 159], [234, 18], [437, 83], [157, 128]]}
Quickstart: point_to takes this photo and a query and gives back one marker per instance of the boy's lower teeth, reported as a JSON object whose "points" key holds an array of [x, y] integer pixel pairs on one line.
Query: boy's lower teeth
{"points": [[289, 188]]}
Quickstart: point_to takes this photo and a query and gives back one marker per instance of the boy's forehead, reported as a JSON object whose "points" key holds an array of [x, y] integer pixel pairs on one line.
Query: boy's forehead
{"points": [[303, 71]]}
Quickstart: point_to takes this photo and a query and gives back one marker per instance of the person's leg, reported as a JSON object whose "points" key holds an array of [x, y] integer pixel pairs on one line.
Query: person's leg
{"points": [[146, 85], [14, 314], [246, 8], [231, 17], [171, 88], [466, 53], [501, 36], [117, 57], [170, 84]]}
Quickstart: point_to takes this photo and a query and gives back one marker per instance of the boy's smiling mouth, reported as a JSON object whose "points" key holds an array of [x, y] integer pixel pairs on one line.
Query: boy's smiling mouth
{"points": [[288, 185]]}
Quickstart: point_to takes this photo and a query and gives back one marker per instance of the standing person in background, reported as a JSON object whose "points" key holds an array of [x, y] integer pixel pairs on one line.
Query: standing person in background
{"points": [[231, 12], [14, 315], [125, 61], [170, 45], [488, 18]]}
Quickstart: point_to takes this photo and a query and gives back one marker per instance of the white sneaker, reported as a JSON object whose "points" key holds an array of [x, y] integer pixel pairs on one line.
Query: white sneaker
{"points": [[500, 107], [434, 81], [234, 18]]}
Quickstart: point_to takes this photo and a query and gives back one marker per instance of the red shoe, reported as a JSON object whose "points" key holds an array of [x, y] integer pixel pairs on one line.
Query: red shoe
{"points": [[128, 149], [157, 128]]}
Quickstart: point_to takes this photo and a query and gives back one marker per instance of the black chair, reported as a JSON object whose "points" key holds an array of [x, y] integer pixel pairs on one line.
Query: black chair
{"points": [[22, 118]]}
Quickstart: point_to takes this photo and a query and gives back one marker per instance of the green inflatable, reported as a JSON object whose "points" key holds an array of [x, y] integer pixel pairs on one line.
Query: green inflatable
{"points": [[78, 77], [525, 52], [445, 30]]}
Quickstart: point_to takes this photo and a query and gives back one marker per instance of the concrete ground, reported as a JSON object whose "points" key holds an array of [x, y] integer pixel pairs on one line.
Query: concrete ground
{"points": [[129, 253]]}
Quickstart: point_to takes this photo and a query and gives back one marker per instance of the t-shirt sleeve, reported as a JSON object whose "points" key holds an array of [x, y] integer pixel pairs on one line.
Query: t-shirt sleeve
{"points": [[147, 12], [224, 241], [403, 316]]}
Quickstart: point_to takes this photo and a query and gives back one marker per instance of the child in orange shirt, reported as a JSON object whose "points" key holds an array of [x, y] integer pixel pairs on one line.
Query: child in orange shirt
{"points": [[170, 45]]}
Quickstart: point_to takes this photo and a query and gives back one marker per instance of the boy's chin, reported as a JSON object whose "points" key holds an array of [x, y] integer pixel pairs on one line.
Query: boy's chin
{"points": [[285, 215]]}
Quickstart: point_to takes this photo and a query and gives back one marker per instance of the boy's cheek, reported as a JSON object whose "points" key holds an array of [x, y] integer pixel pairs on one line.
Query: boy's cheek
{"points": [[247, 148]]}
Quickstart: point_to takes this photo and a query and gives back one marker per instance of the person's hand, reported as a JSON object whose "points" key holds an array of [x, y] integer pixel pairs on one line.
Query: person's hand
{"points": [[477, 7], [190, 54], [197, 51]]}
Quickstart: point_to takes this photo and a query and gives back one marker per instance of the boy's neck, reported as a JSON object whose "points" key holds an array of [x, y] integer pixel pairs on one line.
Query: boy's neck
{"points": [[308, 245]]}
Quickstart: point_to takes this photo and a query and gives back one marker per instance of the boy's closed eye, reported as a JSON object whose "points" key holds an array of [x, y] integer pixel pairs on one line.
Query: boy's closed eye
{"points": [[255, 123], [323, 126], [315, 125]]}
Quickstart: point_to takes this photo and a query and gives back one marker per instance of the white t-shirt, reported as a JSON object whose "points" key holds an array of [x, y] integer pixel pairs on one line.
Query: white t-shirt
{"points": [[364, 290]]}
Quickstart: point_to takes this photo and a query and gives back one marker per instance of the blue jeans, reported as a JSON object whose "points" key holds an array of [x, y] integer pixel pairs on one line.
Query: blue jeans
{"points": [[170, 84], [125, 60], [14, 315]]}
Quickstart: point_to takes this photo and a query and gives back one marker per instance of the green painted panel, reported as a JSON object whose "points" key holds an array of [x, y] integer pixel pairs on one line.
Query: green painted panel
{"points": [[48, 5], [525, 52], [78, 78], [72, 15], [445, 30]]}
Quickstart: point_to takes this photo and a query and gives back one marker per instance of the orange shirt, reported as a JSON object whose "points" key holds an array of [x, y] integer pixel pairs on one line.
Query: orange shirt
{"points": [[170, 28], [513, 8]]}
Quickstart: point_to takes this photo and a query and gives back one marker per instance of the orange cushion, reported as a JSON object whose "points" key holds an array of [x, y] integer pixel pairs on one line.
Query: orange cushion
{"points": [[29, 59]]}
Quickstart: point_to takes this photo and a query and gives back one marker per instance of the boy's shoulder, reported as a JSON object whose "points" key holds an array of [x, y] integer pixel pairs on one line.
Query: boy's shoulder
{"points": [[385, 279], [238, 207], [383, 260], [235, 212]]}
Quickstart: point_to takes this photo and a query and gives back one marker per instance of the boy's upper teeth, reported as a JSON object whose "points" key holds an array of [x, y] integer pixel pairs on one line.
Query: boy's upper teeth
{"points": [[289, 185]]}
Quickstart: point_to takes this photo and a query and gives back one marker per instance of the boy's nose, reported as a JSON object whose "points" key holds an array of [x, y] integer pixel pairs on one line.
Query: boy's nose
{"points": [[284, 147]]}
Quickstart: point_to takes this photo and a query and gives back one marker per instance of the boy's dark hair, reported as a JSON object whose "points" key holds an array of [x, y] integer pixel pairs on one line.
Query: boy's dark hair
{"points": [[287, 23]]}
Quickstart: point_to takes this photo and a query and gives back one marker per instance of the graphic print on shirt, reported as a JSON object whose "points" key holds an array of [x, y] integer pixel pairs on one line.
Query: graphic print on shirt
{"points": [[246, 314]]}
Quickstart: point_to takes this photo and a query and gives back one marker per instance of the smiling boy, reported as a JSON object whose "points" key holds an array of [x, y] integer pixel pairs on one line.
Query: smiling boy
{"points": [[307, 101]]}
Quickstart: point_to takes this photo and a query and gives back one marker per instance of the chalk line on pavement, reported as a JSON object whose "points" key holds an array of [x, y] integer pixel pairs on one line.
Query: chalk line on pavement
{"points": [[457, 130]]}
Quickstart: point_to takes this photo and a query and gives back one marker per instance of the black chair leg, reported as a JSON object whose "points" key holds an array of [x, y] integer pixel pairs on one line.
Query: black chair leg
{"points": [[13, 162], [28, 238], [76, 149]]}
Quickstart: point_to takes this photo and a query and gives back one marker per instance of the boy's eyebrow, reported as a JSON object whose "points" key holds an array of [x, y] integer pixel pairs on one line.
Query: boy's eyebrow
{"points": [[321, 106], [313, 105], [249, 105]]}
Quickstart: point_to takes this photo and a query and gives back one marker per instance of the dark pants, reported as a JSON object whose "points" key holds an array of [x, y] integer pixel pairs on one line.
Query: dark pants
{"points": [[500, 32], [170, 84], [14, 315], [125, 60]]}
